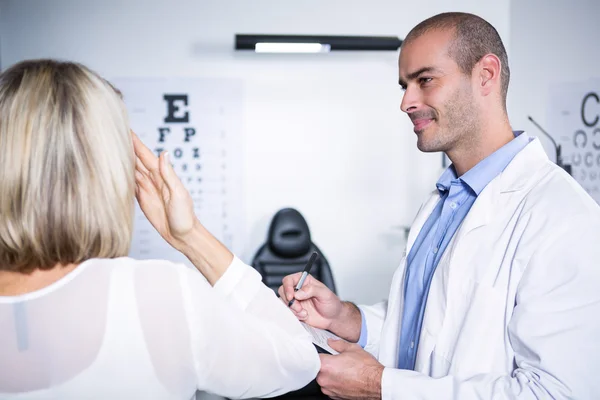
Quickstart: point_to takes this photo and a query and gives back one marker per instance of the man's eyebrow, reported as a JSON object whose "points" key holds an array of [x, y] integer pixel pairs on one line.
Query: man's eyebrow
{"points": [[415, 74]]}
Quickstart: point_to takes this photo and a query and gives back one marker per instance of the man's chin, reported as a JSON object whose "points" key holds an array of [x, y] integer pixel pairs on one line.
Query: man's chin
{"points": [[427, 147]]}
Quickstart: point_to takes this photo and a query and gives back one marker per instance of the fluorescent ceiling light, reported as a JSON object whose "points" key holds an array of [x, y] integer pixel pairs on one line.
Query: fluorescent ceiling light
{"points": [[292, 48], [315, 43]]}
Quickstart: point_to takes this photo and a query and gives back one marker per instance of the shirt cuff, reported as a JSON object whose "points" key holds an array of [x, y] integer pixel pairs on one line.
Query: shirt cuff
{"points": [[232, 276], [239, 283], [362, 340]]}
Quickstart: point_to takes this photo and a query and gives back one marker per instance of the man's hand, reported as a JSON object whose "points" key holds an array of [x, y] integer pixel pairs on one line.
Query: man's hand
{"points": [[318, 306], [352, 374], [315, 303]]}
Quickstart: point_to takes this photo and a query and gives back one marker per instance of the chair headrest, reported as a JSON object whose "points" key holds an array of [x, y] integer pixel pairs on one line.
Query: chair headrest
{"points": [[288, 234]]}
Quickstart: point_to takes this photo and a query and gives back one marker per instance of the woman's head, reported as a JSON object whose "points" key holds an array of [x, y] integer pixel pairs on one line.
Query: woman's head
{"points": [[66, 167]]}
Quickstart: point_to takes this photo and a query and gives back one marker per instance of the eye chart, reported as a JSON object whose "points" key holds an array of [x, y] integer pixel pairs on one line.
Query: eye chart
{"points": [[574, 122], [199, 122]]}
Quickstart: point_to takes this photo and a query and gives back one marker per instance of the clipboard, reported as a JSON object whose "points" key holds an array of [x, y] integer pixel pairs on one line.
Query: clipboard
{"points": [[319, 339], [320, 349]]}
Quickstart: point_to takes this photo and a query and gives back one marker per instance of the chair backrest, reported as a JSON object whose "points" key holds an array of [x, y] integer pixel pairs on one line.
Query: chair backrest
{"points": [[287, 251]]}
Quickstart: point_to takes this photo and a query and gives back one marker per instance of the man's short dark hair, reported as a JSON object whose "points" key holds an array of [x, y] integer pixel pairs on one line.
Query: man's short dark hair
{"points": [[474, 38]]}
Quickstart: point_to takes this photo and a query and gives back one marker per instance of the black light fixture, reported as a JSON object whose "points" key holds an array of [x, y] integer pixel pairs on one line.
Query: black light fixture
{"points": [[314, 43]]}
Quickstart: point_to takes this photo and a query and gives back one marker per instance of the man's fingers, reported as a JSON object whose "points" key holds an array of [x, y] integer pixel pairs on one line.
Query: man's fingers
{"points": [[339, 345], [312, 288], [325, 358], [296, 307], [282, 294], [302, 314], [289, 283]]}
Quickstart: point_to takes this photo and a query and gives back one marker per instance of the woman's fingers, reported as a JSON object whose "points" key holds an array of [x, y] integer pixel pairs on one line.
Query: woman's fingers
{"points": [[166, 171], [139, 166], [151, 177], [169, 176], [144, 154], [145, 190], [154, 168]]}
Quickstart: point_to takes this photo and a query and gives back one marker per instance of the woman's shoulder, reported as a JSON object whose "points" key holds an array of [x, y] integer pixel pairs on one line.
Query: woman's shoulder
{"points": [[156, 281], [149, 263], [151, 269], [129, 262]]}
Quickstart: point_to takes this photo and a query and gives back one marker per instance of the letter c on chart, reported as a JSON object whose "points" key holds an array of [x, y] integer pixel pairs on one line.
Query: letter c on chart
{"points": [[587, 97]]}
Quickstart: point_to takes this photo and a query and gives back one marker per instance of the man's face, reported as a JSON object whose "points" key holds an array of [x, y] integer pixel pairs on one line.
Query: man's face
{"points": [[439, 97]]}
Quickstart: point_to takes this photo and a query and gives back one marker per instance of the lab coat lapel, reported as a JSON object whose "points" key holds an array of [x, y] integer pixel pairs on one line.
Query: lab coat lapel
{"points": [[435, 310], [514, 178]]}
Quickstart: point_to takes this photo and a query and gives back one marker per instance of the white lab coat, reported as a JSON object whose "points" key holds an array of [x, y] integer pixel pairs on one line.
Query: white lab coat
{"points": [[513, 311]]}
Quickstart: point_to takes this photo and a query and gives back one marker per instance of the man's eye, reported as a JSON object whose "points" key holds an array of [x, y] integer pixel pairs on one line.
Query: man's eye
{"points": [[425, 80]]}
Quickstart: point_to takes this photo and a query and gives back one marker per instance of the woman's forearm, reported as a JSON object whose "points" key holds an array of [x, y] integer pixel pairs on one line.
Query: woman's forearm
{"points": [[206, 252]]}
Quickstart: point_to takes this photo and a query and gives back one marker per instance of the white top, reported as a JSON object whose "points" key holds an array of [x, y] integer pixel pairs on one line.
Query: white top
{"points": [[123, 328]]}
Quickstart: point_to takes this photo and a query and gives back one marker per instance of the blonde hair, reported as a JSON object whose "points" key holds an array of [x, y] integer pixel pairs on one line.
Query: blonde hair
{"points": [[66, 167]]}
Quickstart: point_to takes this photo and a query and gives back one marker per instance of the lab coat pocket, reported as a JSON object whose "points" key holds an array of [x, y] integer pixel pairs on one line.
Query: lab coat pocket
{"points": [[435, 366], [475, 334]]}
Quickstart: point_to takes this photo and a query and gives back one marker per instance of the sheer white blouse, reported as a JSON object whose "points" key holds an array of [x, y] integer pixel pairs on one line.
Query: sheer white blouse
{"points": [[123, 328]]}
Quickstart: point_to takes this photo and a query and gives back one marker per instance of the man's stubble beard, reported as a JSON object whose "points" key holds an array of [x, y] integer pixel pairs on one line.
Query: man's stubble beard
{"points": [[458, 128]]}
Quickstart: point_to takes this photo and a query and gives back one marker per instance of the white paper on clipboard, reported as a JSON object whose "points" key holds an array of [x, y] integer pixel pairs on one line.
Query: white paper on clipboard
{"points": [[320, 336]]}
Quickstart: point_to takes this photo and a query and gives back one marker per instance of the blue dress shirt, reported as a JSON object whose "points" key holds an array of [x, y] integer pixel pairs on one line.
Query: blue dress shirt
{"points": [[457, 195]]}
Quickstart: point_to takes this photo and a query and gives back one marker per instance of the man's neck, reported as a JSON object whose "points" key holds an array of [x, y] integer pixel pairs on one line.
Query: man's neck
{"points": [[488, 139]]}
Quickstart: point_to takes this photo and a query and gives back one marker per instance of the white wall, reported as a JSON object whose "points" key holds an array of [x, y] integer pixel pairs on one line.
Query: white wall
{"points": [[552, 41], [323, 132]]}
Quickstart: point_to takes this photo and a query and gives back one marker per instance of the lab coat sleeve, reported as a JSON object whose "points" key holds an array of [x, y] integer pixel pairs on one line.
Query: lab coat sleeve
{"points": [[246, 342], [374, 316], [554, 330]]}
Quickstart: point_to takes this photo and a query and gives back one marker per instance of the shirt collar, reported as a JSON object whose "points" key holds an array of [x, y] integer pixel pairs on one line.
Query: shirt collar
{"points": [[478, 177], [449, 175]]}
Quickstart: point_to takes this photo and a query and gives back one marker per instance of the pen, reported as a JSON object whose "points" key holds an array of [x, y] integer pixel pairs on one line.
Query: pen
{"points": [[309, 265]]}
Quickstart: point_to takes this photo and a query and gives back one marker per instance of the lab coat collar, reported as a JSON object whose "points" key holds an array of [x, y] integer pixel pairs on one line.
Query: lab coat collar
{"points": [[520, 172], [515, 177]]}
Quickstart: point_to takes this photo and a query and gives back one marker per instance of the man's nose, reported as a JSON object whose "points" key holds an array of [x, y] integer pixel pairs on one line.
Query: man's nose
{"points": [[410, 100]]}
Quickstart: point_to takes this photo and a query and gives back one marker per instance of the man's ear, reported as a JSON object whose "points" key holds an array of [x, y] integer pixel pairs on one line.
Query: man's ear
{"points": [[487, 73]]}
